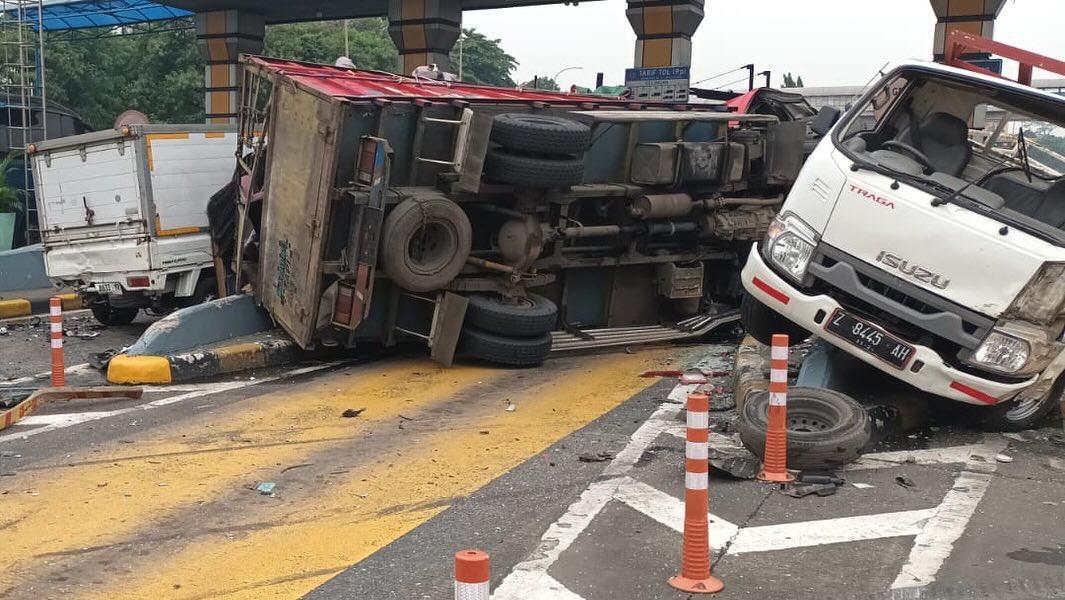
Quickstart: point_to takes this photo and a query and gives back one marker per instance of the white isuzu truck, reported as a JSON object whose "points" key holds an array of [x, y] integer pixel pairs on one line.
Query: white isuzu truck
{"points": [[123, 214], [923, 238]]}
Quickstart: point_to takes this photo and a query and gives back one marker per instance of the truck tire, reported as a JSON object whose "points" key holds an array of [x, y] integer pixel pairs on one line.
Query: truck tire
{"points": [[826, 429], [425, 243], [504, 350], [533, 171], [1018, 416], [541, 134], [108, 315], [761, 322], [531, 316]]}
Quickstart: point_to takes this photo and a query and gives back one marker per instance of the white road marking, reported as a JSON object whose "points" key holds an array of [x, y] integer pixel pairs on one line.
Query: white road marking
{"points": [[930, 456], [680, 392], [533, 585], [767, 538], [70, 419], [669, 511], [71, 370]]}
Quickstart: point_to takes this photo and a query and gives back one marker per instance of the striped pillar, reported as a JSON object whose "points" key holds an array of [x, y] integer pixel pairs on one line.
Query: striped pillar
{"points": [[471, 575], [775, 458], [224, 35], [664, 30], [424, 32], [55, 318], [971, 16]]}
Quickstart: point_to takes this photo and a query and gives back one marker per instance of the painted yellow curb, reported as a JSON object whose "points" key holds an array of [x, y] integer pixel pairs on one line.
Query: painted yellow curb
{"points": [[71, 301], [138, 369], [14, 308]]}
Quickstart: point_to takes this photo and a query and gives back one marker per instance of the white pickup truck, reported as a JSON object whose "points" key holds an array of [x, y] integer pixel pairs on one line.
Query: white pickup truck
{"points": [[922, 238], [123, 214]]}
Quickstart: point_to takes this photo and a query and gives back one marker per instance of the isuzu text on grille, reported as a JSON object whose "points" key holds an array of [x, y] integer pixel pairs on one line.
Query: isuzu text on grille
{"points": [[907, 268]]}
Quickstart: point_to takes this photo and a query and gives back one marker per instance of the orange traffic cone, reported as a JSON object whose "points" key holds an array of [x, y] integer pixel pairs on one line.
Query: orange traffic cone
{"points": [[694, 575], [471, 575], [55, 318], [775, 458]]}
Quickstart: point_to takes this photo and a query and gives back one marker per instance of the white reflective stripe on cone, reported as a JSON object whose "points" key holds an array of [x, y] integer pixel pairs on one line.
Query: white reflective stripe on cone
{"points": [[778, 399], [697, 450], [57, 343], [696, 481], [778, 376], [698, 420], [55, 311], [471, 591], [57, 328], [779, 352]]}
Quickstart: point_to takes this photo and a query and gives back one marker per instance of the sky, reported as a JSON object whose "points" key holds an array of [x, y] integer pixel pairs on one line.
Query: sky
{"points": [[828, 42]]}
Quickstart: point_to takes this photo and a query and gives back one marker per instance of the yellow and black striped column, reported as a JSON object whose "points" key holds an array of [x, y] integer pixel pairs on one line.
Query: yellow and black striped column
{"points": [[971, 16], [424, 31], [664, 30], [224, 35]]}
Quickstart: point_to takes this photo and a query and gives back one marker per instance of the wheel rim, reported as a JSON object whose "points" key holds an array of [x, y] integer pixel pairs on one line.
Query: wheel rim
{"points": [[431, 248], [812, 417], [1024, 409]]}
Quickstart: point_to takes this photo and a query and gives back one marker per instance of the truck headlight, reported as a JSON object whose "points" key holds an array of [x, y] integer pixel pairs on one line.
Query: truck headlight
{"points": [[1002, 353], [1041, 299], [789, 245]]}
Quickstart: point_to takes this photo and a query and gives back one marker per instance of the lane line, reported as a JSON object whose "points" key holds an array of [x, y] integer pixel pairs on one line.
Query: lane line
{"points": [[85, 417], [71, 370], [669, 511], [767, 538]]}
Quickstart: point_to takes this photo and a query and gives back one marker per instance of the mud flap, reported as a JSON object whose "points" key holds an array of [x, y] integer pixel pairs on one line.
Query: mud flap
{"points": [[448, 316]]}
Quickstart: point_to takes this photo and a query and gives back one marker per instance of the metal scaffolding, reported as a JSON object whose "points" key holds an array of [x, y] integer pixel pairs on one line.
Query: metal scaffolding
{"points": [[22, 91]]}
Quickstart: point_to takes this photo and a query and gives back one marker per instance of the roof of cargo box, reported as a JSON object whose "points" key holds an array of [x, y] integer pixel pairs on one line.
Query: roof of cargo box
{"points": [[339, 82]]}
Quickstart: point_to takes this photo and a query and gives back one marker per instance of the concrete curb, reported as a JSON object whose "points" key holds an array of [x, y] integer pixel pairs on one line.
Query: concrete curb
{"points": [[146, 369], [24, 307], [750, 372]]}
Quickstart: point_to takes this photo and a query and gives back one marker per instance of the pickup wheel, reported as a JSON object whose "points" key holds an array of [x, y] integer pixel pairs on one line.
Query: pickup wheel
{"points": [[108, 315], [826, 429], [542, 134], [1020, 415], [533, 171], [425, 243], [504, 350], [761, 322], [530, 316]]}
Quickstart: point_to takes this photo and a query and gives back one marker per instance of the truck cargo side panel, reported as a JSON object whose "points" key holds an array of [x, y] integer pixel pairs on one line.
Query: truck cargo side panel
{"points": [[185, 169], [299, 177]]}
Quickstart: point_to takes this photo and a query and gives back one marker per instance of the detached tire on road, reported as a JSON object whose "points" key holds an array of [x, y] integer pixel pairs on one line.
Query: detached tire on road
{"points": [[111, 316], [530, 316], [533, 171], [543, 134], [425, 243], [761, 322], [504, 350], [826, 429]]}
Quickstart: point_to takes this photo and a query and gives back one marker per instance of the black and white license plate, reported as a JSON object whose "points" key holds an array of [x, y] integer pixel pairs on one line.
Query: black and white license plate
{"points": [[108, 288], [870, 338]]}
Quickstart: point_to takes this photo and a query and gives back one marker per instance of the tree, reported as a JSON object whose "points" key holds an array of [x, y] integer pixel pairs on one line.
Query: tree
{"points": [[542, 82], [483, 60], [791, 81], [323, 42]]}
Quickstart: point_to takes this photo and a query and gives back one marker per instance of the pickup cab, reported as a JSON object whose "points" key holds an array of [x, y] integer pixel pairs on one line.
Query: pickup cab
{"points": [[123, 214], [924, 238]]}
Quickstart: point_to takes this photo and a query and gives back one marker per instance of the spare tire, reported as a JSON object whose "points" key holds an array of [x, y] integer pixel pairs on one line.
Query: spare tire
{"points": [[826, 429], [425, 243], [504, 350], [533, 171], [530, 316], [543, 134]]}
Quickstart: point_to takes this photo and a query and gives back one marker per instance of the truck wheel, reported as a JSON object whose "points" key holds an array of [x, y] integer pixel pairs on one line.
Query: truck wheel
{"points": [[530, 316], [504, 350], [826, 429], [533, 171], [1018, 416], [761, 322], [425, 243], [543, 134], [109, 315]]}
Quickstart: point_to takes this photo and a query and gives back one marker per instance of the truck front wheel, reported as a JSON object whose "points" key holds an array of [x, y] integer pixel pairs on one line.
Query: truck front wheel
{"points": [[109, 315], [1022, 414], [761, 322]]}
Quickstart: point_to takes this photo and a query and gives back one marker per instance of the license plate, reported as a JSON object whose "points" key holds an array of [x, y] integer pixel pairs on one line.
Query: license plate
{"points": [[870, 338], [108, 288]]}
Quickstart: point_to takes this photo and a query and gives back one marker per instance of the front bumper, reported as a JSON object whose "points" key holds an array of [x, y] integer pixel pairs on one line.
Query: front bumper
{"points": [[935, 377]]}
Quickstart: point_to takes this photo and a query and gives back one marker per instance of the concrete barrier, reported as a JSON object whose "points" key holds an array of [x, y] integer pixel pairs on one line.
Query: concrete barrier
{"points": [[23, 269], [148, 369], [201, 325]]}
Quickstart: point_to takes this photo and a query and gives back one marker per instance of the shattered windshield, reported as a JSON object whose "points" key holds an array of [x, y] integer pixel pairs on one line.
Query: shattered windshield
{"points": [[994, 146]]}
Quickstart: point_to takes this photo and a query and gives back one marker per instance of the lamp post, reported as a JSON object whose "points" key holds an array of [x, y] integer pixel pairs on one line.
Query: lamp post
{"points": [[555, 78]]}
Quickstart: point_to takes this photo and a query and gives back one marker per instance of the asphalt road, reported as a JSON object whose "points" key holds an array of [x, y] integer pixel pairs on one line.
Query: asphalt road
{"points": [[570, 475]]}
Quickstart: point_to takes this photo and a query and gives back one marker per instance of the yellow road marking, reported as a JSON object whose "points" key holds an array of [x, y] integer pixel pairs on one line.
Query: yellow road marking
{"points": [[289, 548], [128, 488]]}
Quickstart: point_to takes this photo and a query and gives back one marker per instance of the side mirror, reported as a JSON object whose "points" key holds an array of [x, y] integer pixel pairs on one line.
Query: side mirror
{"points": [[823, 121]]}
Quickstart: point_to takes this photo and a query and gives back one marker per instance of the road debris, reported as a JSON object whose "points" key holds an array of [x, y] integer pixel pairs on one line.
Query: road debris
{"points": [[511, 407], [738, 463], [801, 490], [588, 457], [863, 486], [352, 413], [905, 482], [1003, 458], [266, 488]]}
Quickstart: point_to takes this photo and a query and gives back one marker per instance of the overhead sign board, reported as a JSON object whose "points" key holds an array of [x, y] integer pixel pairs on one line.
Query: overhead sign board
{"points": [[658, 84]]}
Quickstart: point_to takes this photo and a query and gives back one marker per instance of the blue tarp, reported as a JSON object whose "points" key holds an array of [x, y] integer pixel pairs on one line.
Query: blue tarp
{"points": [[63, 15]]}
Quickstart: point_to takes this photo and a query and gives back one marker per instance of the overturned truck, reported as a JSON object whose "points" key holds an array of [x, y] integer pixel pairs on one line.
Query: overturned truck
{"points": [[500, 223]]}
